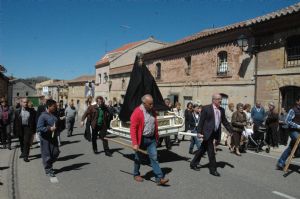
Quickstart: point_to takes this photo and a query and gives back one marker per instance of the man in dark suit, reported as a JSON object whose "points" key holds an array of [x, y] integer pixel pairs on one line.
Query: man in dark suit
{"points": [[25, 126], [209, 129]]}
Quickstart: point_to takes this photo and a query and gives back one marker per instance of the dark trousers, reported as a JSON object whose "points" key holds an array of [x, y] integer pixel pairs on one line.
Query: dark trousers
{"points": [[272, 137], [284, 135], [25, 139], [70, 125], [49, 151], [206, 145], [167, 141], [102, 134], [236, 137], [5, 134]]}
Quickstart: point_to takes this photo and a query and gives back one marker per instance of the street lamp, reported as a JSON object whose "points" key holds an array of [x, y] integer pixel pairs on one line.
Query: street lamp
{"points": [[242, 41]]}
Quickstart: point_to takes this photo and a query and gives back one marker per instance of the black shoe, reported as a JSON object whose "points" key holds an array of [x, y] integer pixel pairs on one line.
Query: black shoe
{"points": [[191, 152], [26, 159], [68, 135], [195, 167], [279, 167], [215, 173], [9, 147], [95, 151], [21, 156], [107, 153]]}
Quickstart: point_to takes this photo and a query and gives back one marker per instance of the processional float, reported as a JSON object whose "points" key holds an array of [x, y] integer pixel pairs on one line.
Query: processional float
{"points": [[142, 82]]}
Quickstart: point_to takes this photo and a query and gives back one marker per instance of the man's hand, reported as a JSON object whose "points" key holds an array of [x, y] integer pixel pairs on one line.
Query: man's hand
{"points": [[199, 135], [135, 147], [81, 124], [52, 128]]}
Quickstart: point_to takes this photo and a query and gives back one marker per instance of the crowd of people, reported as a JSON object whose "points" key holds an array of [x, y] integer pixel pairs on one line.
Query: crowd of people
{"points": [[51, 118]]}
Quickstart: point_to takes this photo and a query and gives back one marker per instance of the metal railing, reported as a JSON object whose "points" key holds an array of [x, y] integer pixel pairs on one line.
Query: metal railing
{"points": [[292, 57], [223, 68]]}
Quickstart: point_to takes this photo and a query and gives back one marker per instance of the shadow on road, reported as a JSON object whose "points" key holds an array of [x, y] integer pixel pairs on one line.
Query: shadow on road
{"points": [[169, 156], [3, 168], [163, 157], [111, 150], [220, 164], [69, 157], [33, 157], [69, 142], [149, 175], [292, 168], [71, 167]]}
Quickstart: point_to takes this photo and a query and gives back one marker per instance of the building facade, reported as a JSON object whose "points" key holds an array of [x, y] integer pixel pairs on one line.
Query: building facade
{"points": [[278, 58], [19, 88], [77, 92], [3, 85], [113, 70], [194, 68], [58, 90]]}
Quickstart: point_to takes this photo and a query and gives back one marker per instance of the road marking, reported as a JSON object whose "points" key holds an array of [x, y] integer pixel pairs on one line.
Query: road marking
{"points": [[283, 195], [53, 180]]}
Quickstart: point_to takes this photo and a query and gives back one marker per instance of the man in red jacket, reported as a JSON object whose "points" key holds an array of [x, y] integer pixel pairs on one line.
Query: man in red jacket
{"points": [[144, 134]]}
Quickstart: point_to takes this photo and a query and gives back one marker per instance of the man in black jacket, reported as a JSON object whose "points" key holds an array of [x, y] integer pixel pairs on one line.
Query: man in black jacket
{"points": [[210, 129], [25, 125]]}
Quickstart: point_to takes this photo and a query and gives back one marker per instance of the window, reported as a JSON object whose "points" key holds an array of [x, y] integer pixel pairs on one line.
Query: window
{"points": [[99, 78], [293, 51], [222, 63], [188, 67], [105, 77], [224, 102], [158, 71]]}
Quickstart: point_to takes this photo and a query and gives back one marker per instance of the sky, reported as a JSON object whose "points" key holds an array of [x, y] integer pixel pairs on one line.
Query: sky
{"points": [[63, 39]]}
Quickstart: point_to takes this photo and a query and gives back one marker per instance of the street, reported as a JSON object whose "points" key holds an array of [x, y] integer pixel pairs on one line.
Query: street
{"points": [[82, 174]]}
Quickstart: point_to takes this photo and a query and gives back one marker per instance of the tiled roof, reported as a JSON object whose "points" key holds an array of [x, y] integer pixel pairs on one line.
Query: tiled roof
{"points": [[105, 60], [120, 70], [273, 15], [58, 83], [83, 78]]}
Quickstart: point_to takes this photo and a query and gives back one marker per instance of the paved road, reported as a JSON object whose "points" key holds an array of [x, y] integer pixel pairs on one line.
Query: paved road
{"points": [[82, 174]]}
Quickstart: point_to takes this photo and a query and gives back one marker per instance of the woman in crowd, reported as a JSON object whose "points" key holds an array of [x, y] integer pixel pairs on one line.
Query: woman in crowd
{"points": [[272, 121], [247, 111], [6, 123], [187, 116], [193, 124], [238, 122], [283, 127], [178, 111]]}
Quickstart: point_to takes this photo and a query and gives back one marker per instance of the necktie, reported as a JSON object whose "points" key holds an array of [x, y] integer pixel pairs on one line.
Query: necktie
{"points": [[217, 119]]}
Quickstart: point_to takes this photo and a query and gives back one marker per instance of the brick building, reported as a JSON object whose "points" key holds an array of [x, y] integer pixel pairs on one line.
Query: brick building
{"points": [[211, 61], [3, 83], [58, 90], [113, 70], [278, 57], [76, 91]]}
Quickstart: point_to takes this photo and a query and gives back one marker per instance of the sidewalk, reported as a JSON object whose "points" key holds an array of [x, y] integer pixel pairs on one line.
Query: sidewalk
{"points": [[5, 172]]}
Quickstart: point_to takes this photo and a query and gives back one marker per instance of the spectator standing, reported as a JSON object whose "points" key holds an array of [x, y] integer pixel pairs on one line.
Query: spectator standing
{"points": [[70, 114]]}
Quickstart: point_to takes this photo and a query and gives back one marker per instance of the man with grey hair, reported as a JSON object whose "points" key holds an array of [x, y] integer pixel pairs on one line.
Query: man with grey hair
{"points": [[209, 128], [144, 134], [25, 126]]}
